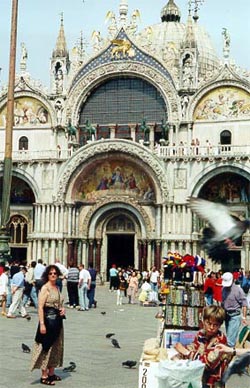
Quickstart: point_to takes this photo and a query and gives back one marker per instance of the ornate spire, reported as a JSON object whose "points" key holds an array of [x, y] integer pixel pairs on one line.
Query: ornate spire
{"points": [[170, 13], [194, 4], [123, 10], [61, 46]]}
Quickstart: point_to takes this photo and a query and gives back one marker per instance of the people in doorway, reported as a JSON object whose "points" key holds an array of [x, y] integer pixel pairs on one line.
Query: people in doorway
{"points": [[113, 278]]}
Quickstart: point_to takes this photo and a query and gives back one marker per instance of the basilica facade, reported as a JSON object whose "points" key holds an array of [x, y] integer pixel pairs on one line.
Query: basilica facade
{"points": [[106, 159]]}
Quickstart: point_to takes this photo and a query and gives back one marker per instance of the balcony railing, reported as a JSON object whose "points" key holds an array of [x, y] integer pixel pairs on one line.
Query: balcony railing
{"points": [[164, 152], [193, 152]]}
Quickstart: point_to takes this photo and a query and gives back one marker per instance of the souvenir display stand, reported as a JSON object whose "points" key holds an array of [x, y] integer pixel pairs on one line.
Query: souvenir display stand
{"points": [[182, 305]]}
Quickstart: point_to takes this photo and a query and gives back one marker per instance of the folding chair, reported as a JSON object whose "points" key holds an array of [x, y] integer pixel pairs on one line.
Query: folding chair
{"points": [[244, 336]]}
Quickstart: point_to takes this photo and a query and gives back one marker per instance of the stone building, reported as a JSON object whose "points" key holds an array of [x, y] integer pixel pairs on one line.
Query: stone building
{"points": [[104, 161]]}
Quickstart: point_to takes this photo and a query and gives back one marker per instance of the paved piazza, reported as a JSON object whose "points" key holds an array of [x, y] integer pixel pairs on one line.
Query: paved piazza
{"points": [[98, 362]]}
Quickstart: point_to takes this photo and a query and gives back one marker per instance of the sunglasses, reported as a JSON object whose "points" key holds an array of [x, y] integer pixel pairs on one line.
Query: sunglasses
{"points": [[52, 273]]}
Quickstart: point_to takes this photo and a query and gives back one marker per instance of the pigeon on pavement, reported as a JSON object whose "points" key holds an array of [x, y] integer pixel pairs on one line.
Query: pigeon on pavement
{"points": [[224, 229], [237, 366], [115, 343], [70, 368], [129, 363], [25, 348], [103, 312], [109, 335]]}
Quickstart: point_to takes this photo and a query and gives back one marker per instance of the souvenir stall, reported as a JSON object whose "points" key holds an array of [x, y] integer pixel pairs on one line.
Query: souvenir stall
{"points": [[182, 304]]}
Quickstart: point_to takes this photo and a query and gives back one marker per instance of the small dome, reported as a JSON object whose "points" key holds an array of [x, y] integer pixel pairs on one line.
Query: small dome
{"points": [[170, 13]]}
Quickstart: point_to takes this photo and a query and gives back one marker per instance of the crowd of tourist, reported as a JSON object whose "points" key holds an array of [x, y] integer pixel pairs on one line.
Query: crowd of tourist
{"points": [[227, 297]]}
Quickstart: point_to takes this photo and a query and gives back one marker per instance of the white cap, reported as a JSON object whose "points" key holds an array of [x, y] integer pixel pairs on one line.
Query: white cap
{"points": [[227, 279]]}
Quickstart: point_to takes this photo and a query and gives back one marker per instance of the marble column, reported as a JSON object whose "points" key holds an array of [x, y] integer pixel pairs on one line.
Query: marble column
{"points": [[97, 263], [158, 254], [91, 251], [47, 257], [70, 255], [60, 250]]}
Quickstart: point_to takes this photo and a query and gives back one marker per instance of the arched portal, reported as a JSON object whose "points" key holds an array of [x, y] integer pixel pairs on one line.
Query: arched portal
{"points": [[117, 235], [232, 190]]}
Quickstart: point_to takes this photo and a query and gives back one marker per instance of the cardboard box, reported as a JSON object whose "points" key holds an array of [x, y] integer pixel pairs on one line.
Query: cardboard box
{"points": [[147, 370]]}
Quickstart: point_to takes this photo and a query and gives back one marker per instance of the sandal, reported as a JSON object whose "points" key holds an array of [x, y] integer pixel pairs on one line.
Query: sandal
{"points": [[54, 378], [46, 381]]}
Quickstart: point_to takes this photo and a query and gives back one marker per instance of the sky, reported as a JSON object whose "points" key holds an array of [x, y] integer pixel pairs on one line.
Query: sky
{"points": [[39, 22]]}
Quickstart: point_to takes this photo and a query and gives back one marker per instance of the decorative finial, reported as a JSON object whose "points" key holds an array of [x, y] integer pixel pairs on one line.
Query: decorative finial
{"points": [[61, 14], [194, 5], [24, 57], [226, 43]]}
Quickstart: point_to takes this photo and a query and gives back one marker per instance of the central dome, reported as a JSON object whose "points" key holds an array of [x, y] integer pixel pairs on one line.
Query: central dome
{"points": [[168, 39]]}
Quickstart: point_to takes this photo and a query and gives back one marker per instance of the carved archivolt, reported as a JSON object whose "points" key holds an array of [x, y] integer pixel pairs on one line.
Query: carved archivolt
{"points": [[84, 86], [113, 203], [124, 147]]}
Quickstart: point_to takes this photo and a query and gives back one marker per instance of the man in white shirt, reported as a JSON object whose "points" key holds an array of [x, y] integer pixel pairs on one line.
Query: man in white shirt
{"points": [[154, 278], [83, 287], [64, 271], [38, 271]]}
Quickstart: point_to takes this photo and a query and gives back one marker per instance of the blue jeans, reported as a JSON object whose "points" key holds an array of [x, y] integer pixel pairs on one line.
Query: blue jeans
{"points": [[209, 299], [232, 325], [83, 300], [91, 295], [32, 295]]}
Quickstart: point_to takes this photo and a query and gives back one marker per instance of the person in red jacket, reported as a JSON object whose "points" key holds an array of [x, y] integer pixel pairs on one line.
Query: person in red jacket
{"points": [[209, 288], [218, 289]]}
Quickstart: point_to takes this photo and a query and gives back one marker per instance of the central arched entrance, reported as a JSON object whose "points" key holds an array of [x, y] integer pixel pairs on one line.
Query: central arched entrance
{"points": [[120, 232], [120, 250]]}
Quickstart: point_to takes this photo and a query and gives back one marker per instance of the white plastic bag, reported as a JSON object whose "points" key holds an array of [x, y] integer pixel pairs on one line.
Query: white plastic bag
{"points": [[180, 373]]}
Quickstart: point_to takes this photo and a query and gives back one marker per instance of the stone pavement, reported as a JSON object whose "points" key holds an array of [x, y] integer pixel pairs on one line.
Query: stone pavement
{"points": [[98, 362]]}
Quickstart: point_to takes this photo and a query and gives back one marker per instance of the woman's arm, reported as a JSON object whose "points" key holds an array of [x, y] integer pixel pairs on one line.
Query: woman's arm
{"points": [[41, 302]]}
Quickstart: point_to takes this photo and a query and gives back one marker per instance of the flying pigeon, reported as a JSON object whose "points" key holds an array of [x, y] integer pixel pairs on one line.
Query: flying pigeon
{"points": [[115, 343], [237, 366], [224, 229], [103, 312], [129, 363], [109, 335], [25, 348]]}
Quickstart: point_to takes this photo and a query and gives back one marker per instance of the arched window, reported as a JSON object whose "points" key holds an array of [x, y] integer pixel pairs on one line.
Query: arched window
{"points": [[225, 137], [23, 143], [18, 227]]}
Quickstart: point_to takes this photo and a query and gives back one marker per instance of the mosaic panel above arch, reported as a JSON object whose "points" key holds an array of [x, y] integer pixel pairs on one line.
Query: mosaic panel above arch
{"points": [[111, 177], [28, 112], [227, 187], [223, 103]]}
